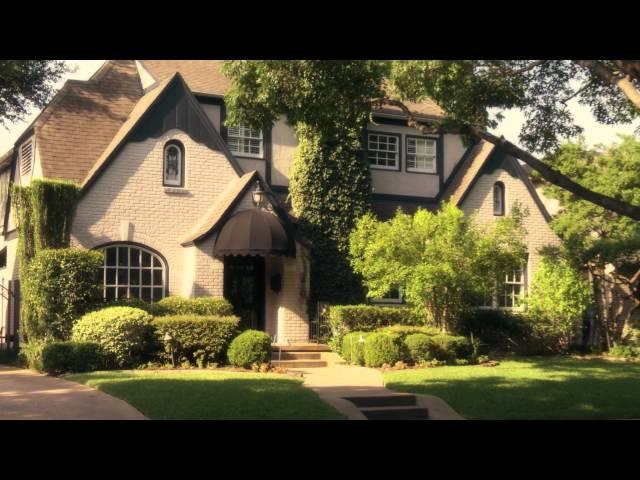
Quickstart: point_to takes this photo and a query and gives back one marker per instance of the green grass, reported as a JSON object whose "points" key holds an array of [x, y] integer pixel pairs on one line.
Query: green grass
{"points": [[210, 395], [531, 388]]}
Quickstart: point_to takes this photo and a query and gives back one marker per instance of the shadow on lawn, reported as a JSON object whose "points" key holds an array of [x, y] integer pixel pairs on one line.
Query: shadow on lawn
{"points": [[534, 389], [193, 398]]}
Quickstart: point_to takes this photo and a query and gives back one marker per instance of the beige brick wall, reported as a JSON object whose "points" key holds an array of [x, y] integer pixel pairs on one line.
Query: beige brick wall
{"points": [[480, 200], [129, 203]]}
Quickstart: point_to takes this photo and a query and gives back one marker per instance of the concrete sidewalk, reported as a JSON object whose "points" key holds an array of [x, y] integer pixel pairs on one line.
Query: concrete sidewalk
{"points": [[339, 380], [27, 395]]}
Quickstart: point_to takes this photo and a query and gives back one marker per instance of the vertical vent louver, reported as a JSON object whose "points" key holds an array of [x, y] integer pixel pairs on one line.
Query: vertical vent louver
{"points": [[26, 158]]}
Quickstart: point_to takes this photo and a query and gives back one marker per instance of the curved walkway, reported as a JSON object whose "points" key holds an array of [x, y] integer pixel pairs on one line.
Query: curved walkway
{"points": [[27, 395], [339, 380]]}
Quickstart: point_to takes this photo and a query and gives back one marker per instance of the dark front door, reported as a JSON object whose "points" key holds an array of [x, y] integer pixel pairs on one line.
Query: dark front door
{"points": [[244, 288]]}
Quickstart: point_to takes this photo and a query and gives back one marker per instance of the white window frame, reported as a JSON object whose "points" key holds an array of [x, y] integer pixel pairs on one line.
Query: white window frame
{"points": [[399, 299], [500, 292], [499, 188], [181, 161], [417, 154], [129, 268], [375, 151], [240, 133]]}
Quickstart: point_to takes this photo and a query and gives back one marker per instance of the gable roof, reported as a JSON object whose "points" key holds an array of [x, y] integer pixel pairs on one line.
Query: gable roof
{"points": [[82, 119]]}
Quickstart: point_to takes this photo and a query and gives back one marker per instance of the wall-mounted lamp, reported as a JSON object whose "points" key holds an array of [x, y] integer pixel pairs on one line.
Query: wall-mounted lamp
{"points": [[258, 195]]}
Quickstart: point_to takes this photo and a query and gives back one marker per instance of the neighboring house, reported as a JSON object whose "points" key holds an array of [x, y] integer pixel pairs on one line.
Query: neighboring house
{"points": [[168, 190]]}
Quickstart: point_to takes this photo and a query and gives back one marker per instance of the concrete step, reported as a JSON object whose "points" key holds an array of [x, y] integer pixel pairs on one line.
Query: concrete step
{"points": [[299, 363], [296, 355], [303, 347], [396, 413], [383, 401]]}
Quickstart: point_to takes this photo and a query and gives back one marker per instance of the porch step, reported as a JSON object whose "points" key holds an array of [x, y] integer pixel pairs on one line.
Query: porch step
{"points": [[396, 413], [299, 363], [303, 347], [295, 355], [383, 401]]}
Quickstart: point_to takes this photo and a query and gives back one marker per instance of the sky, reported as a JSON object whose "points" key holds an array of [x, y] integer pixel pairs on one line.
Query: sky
{"points": [[594, 132]]}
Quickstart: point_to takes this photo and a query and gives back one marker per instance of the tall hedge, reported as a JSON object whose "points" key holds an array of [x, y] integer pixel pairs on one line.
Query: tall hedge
{"points": [[53, 203], [58, 286], [330, 188]]}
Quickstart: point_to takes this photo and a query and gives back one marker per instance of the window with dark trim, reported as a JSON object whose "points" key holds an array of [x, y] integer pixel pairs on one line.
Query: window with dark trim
{"points": [[498, 198], [173, 164], [132, 271], [383, 151], [244, 141]]}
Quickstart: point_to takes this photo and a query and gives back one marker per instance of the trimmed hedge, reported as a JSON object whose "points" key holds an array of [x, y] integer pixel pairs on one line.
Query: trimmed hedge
{"points": [[421, 347], [249, 348], [449, 347], [405, 330], [199, 340], [58, 287], [31, 354], [125, 334], [383, 348], [366, 318], [497, 329], [150, 308], [351, 350], [63, 357], [194, 306]]}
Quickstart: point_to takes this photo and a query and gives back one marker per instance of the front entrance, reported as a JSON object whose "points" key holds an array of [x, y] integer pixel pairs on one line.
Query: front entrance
{"points": [[244, 287]]}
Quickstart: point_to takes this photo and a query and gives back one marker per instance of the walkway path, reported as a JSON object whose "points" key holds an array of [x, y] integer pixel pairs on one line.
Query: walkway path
{"points": [[27, 395], [339, 380]]}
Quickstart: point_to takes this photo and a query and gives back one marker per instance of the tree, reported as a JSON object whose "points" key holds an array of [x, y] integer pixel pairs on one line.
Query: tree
{"points": [[604, 242], [558, 299], [442, 260], [25, 84], [328, 105], [467, 89]]}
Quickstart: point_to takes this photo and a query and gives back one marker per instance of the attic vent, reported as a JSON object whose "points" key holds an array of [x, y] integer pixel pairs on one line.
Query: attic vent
{"points": [[26, 157]]}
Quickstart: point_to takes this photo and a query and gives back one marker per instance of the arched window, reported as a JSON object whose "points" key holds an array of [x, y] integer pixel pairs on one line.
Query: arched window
{"points": [[498, 198], [132, 271], [173, 165]]}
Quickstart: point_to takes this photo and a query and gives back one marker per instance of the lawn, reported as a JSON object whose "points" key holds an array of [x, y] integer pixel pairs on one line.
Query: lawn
{"points": [[531, 388], [211, 395]]}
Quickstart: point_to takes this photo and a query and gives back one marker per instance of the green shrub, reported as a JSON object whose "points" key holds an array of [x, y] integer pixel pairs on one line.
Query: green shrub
{"points": [[63, 357], [58, 287], [365, 318], [625, 351], [449, 347], [420, 347], [404, 330], [352, 350], [496, 329], [31, 354], [150, 308], [250, 347], [125, 334], [381, 348], [197, 339], [8, 356], [195, 306]]}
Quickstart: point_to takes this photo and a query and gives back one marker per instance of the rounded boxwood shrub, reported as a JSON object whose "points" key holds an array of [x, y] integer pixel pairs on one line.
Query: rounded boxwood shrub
{"points": [[197, 339], [251, 346], [381, 348], [420, 347], [449, 347], [404, 330], [149, 307], [125, 334], [62, 357], [352, 350], [194, 306]]}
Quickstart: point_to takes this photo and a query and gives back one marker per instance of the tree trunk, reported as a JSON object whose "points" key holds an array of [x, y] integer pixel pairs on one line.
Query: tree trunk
{"points": [[624, 83]]}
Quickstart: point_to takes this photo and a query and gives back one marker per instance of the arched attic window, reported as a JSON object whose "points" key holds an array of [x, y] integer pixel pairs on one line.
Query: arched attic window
{"points": [[498, 198], [173, 164]]}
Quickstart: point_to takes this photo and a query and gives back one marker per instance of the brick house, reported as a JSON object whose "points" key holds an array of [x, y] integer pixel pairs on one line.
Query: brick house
{"points": [[183, 205]]}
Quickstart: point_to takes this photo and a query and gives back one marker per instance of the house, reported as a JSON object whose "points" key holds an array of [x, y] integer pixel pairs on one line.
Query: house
{"points": [[183, 205]]}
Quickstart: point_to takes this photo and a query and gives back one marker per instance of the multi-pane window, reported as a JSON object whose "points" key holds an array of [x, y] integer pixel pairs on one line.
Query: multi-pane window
{"points": [[421, 155], [173, 165], [132, 272], [245, 141], [512, 290], [393, 296], [383, 151]]}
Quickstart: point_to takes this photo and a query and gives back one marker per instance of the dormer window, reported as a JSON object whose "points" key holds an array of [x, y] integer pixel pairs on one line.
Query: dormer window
{"points": [[498, 199], [244, 141], [421, 155], [173, 166]]}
